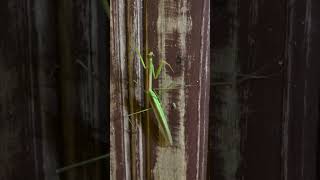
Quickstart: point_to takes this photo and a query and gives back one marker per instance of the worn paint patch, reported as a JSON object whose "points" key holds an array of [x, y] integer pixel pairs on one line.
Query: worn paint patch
{"points": [[173, 19], [173, 25], [171, 161]]}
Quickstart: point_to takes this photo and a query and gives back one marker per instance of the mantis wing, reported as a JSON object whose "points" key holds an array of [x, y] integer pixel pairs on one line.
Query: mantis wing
{"points": [[160, 116]]}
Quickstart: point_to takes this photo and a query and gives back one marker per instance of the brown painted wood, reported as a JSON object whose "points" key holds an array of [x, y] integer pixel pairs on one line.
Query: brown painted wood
{"points": [[119, 144], [179, 32]]}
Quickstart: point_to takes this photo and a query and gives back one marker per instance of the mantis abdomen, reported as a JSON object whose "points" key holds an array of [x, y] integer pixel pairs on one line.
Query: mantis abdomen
{"points": [[160, 116]]}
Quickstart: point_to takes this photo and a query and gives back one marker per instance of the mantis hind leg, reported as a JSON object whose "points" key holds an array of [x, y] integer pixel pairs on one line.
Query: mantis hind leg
{"points": [[138, 112], [173, 86]]}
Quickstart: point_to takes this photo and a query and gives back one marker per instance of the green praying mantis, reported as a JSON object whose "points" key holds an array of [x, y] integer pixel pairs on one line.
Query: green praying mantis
{"points": [[155, 106], [154, 100]]}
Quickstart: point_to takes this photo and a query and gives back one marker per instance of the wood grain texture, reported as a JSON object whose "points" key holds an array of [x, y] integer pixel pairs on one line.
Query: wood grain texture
{"points": [[31, 123], [224, 154], [301, 125], [119, 141], [135, 70], [178, 32], [279, 114], [262, 52], [45, 49], [20, 133]]}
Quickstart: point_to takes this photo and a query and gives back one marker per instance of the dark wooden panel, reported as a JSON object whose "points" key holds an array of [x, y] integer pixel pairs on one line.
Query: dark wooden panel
{"points": [[279, 105], [248, 66], [224, 156], [20, 138], [262, 53], [32, 122], [44, 47], [301, 140], [84, 87]]}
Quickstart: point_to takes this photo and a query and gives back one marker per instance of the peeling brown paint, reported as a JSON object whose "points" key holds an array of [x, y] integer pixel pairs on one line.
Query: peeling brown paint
{"points": [[178, 31], [171, 34]]}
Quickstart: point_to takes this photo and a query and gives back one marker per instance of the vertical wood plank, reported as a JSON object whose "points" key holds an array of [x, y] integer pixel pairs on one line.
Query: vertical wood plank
{"points": [[20, 133], [45, 49], [30, 66], [81, 83], [224, 154], [178, 31], [119, 141], [68, 91], [134, 27], [249, 56], [262, 53], [301, 126], [182, 38]]}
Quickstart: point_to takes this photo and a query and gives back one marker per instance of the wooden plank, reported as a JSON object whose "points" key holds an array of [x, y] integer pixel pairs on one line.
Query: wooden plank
{"points": [[119, 141], [82, 83], [224, 153], [262, 53], [45, 50], [20, 132], [134, 35], [249, 57], [86, 51], [30, 98], [301, 126], [181, 37], [178, 31], [279, 114], [68, 91]]}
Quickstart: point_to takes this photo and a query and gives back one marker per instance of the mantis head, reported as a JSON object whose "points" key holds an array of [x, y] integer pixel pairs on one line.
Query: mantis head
{"points": [[151, 54]]}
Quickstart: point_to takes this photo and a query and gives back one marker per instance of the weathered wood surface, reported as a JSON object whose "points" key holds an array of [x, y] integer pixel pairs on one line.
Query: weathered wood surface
{"points": [[83, 86], [264, 127], [119, 145], [36, 47], [224, 156], [177, 31], [301, 126], [28, 104]]}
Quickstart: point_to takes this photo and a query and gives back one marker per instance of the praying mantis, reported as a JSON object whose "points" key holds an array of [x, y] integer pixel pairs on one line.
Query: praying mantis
{"points": [[154, 101], [155, 106]]}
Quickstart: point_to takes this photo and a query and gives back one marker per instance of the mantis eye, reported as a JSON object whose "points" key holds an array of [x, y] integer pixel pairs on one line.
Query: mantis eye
{"points": [[151, 53]]}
